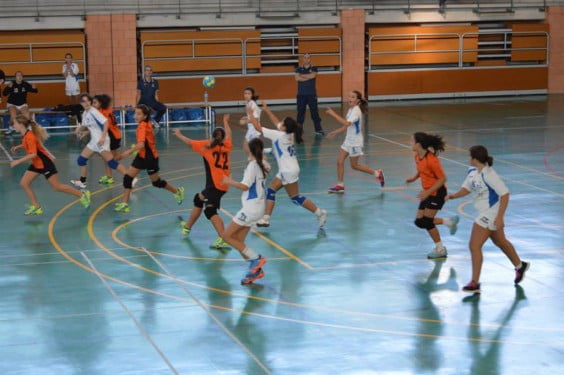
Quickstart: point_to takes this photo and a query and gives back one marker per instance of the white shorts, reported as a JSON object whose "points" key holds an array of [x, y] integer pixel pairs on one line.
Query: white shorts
{"points": [[353, 151], [486, 218], [252, 133], [73, 92], [288, 177], [18, 107], [93, 145], [248, 216]]}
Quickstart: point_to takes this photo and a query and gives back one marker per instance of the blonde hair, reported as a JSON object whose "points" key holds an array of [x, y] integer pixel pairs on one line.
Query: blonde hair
{"points": [[38, 130]]}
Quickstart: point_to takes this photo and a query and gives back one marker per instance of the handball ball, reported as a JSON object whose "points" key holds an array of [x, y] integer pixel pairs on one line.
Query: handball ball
{"points": [[209, 82]]}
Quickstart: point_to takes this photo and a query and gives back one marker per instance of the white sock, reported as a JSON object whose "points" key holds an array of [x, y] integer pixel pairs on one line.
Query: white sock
{"points": [[439, 245], [519, 267], [376, 172], [447, 222], [266, 217], [248, 253], [318, 212], [341, 183]]}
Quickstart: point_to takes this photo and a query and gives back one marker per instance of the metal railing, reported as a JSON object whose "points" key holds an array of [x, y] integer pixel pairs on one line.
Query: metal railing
{"points": [[460, 51]]}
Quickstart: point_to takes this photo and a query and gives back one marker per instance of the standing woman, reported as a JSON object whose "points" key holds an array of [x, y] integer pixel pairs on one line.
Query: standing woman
{"points": [[251, 106], [41, 160], [354, 142], [432, 197], [288, 132], [2, 79], [491, 198], [97, 126], [17, 97], [147, 158], [252, 210], [103, 104], [216, 154], [70, 72]]}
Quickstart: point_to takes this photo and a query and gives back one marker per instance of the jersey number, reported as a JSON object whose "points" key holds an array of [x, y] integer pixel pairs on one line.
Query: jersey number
{"points": [[291, 150], [221, 155]]}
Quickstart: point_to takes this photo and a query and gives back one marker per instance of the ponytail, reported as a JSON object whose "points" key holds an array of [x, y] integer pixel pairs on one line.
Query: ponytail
{"points": [[256, 147], [39, 132], [430, 142], [292, 127], [362, 103], [251, 89], [480, 153]]}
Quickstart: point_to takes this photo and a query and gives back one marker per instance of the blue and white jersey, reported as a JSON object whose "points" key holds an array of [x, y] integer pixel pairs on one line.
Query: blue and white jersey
{"points": [[283, 150], [94, 121], [486, 187], [255, 180], [354, 136], [253, 106]]}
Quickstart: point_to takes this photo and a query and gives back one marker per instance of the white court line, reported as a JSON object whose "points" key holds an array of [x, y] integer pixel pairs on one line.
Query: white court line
{"points": [[466, 166], [139, 326], [208, 312], [10, 158]]}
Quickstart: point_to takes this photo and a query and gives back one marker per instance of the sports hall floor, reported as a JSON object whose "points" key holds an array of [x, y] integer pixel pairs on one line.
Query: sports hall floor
{"points": [[358, 299]]}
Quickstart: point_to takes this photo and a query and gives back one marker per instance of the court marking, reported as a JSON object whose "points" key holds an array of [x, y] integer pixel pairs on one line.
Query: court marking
{"points": [[10, 158]]}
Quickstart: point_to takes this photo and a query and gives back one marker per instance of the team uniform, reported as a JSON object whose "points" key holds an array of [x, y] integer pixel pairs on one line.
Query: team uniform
{"points": [[113, 128], [252, 133], [354, 141], [285, 154], [252, 200], [487, 187], [94, 121], [43, 162], [430, 170], [17, 94], [148, 156], [72, 87]]}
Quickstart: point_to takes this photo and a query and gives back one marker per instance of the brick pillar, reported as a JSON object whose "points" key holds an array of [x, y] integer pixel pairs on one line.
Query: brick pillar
{"points": [[352, 23], [124, 51], [556, 57], [100, 67]]}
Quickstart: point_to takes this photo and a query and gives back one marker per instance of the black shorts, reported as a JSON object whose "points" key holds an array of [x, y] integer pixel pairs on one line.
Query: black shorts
{"points": [[213, 196], [48, 169], [435, 202], [150, 164], [115, 143]]}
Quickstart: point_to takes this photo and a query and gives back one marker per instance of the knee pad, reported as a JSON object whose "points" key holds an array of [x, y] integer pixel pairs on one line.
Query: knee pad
{"points": [[81, 161], [159, 183], [298, 199], [270, 194], [210, 211], [127, 181], [425, 223], [198, 202], [113, 164]]}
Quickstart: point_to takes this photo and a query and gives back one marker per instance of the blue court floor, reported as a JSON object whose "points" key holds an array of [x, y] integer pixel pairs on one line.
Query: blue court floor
{"points": [[359, 298]]}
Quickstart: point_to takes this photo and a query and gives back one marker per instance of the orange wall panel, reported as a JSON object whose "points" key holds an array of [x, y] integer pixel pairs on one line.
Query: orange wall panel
{"points": [[529, 41]]}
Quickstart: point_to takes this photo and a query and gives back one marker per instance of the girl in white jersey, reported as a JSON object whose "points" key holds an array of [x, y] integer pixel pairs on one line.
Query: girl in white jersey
{"points": [[96, 124], [288, 131], [354, 141], [253, 204], [491, 198]]}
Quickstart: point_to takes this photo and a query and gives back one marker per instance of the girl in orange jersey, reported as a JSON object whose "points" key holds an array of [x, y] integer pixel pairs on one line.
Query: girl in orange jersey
{"points": [[432, 197], [102, 104], [147, 158], [41, 163]]}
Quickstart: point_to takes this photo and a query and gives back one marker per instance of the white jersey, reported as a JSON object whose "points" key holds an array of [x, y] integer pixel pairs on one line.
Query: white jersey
{"points": [[71, 82], [255, 180], [283, 149], [94, 121], [486, 186], [251, 131], [354, 136]]}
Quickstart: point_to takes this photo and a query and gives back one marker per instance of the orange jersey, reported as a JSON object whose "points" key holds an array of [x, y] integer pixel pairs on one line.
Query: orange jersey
{"points": [[216, 161], [430, 170], [32, 146], [147, 137], [113, 126]]}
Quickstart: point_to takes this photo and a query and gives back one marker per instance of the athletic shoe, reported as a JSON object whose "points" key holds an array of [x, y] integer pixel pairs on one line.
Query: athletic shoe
{"points": [[263, 223], [32, 210], [106, 180], [179, 196], [156, 125], [134, 182], [322, 219], [320, 133], [437, 253], [454, 226], [336, 189], [255, 265], [185, 231], [267, 151], [85, 199], [8, 131], [79, 184], [380, 177], [471, 287], [220, 244], [121, 207], [249, 278], [520, 273]]}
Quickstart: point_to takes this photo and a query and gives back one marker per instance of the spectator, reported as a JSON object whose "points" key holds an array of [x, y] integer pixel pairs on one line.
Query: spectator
{"points": [[17, 98], [70, 72], [148, 94], [2, 79], [307, 95]]}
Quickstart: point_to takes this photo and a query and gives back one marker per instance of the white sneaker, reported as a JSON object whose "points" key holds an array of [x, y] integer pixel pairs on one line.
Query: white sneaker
{"points": [[135, 181], [322, 219], [79, 184], [437, 253], [263, 223]]}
